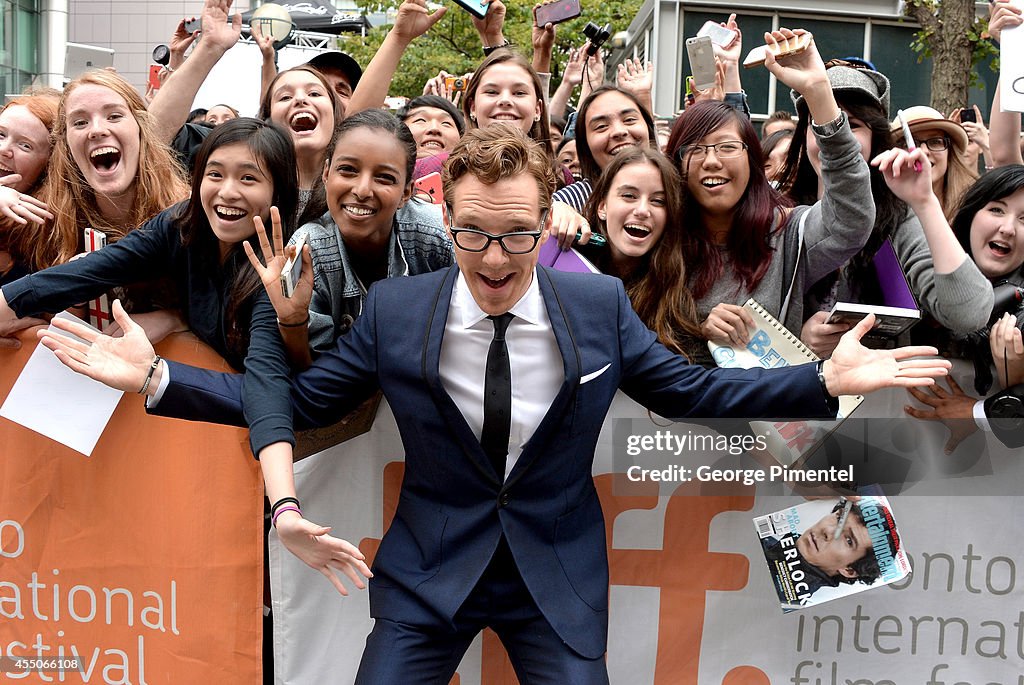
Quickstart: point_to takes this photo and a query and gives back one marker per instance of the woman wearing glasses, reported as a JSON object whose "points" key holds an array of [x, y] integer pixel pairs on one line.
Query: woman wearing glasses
{"points": [[944, 142], [746, 240], [945, 282]]}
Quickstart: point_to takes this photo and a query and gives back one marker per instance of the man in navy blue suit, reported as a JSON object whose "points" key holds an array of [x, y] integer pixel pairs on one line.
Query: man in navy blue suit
{"points": [[500, 375]]}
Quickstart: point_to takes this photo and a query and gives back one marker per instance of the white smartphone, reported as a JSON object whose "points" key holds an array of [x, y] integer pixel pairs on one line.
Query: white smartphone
{"points": [[718, 34], [293, 267], [702, 61]]}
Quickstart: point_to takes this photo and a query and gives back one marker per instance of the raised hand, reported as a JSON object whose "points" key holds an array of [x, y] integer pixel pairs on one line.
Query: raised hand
{"points": [[218, 32], [1002, 15], [856, 370], [731, 53], [290, 310], [264, 43], [636, 78], [573, 71], [180, 40], [414, 19], [491, 26], [314, 545], [802, 71], [122, 363], [898, 169]]}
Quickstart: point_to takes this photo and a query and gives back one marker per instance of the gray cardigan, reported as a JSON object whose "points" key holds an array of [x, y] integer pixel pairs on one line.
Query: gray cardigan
{"points": [[835, 228]]}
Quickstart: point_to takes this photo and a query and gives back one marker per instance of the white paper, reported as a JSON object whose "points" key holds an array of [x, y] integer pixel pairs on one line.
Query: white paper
{"points": [[1011, 69], [51, 399]]}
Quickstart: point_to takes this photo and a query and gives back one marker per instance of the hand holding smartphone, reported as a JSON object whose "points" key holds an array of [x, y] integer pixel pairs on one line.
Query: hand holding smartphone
{"points": [[786, 48], [719, 35], [556, 11], [292, 269], [702, 61]]}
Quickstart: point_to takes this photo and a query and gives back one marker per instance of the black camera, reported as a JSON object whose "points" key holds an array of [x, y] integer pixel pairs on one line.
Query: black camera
{"points": [[597, 35], [1008, 297], [162, 55]]}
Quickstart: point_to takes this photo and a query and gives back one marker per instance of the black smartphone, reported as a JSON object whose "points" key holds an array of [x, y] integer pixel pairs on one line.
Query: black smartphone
{"points": [[556, 11], [478, 8], [967, 114]]}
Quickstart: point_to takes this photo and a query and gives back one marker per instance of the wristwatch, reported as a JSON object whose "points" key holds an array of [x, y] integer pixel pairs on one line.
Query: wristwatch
{"points": [[831, 127]]}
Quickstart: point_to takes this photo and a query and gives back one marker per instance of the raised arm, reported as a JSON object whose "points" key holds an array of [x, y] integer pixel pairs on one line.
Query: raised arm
{"points": [[413, 21], [1003, 127], [947, 283], [173, 101], [292, 312], [572, 76], [268, 70]]}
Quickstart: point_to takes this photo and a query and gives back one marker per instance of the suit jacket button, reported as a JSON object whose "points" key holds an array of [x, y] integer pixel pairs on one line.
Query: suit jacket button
{"points": [[504, 500]]}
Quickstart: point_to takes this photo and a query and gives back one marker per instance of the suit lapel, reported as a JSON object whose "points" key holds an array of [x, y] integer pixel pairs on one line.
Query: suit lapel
{"points": [[572, 366], [431, 371]]}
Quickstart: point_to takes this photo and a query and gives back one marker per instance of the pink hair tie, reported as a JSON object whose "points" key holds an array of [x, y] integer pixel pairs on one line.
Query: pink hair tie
{"points": [[283, 509]]}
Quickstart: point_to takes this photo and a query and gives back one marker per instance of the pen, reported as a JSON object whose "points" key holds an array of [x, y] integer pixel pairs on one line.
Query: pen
{"points": [[847, 505], [908, 137]]}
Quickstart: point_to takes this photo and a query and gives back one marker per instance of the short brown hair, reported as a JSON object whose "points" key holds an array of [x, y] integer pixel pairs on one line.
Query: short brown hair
{"points": [[496, 152]]}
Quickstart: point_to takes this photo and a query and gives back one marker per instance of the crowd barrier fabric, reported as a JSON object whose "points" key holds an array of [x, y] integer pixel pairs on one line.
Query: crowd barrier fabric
{"points": [[143, 560]]}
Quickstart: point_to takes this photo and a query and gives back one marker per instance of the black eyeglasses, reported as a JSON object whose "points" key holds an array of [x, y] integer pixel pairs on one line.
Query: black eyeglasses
{"points": [[725, 150], [518, 242], [937, 144]]}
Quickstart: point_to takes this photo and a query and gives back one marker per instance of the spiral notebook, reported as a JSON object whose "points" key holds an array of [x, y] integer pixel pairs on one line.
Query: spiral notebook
{"points": [[771, 346]]}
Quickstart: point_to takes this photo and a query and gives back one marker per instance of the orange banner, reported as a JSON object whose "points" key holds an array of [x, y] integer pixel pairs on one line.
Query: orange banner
{"points": [[143, 560]]}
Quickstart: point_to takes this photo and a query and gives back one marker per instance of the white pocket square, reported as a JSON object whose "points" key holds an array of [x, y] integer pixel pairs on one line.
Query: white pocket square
{"points": [[591, 376]]}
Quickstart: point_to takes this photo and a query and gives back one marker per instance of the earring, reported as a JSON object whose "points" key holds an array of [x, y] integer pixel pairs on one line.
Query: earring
{"points": [[537, 118]]}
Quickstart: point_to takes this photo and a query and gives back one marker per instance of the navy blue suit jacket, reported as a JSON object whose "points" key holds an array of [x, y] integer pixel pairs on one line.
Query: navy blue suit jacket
{"points": [[453, 507]]}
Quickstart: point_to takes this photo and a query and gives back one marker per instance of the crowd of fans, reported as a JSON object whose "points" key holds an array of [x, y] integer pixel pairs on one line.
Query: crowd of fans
{"points": [[695, 222]]}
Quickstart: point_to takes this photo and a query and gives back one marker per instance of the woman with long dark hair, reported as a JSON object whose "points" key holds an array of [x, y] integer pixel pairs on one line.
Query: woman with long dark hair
{"points": [[245, 168], [746, 239], [635, 205]]}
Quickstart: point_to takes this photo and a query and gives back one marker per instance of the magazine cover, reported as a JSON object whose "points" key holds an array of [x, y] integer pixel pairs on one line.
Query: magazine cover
{"points": [[825, 549]]}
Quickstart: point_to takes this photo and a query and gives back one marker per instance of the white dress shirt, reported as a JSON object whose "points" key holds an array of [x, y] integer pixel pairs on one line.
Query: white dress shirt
{"points": [[534, 357]]}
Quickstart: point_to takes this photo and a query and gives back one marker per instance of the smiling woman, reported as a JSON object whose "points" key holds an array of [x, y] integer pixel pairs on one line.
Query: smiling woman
{"points": [[748, 240], [108, 171], [635, 204], [243, 168], [374, 230], [25, 125], [302, 102]]}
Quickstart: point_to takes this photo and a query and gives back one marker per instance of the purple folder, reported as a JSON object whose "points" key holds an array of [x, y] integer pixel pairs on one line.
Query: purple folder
{"points": [[564, 260], [896, 291]]}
